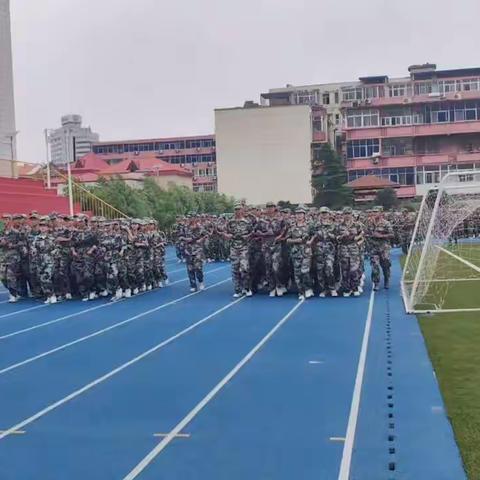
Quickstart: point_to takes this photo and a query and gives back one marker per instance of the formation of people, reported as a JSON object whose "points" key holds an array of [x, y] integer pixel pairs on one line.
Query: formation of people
{"points": [[62, 257], [310, 251]]}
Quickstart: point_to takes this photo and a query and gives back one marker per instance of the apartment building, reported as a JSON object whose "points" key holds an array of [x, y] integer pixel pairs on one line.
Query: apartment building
{"points": [[410, 130], [195, 153]]}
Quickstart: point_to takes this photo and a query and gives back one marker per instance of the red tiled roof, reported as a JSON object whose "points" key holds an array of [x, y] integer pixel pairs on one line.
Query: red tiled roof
{"points": [[371, 181], [146, 164]]}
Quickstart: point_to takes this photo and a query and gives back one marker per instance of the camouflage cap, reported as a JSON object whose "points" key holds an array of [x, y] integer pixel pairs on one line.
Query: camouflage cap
{"points": [[324, 210], [377, 208], [270, 205], [19, 216], [301, 209], [347, 210], [7, 216], [238, 206]]}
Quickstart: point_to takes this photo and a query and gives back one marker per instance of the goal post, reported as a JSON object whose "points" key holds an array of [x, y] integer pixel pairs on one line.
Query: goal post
{"points": [[442, 267]]}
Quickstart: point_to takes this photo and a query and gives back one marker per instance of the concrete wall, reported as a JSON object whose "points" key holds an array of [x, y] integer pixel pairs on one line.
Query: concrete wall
{"points": [[263, 154]]}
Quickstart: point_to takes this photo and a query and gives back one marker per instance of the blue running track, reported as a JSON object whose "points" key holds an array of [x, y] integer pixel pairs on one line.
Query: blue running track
{"points": [[174, 385]]}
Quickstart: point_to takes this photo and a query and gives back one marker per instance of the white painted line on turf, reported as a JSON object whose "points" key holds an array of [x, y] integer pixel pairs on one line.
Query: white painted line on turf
{"points": [[196, 410], [11, 314], [81, 312], [103, 330], [114, 372], [315, 362], [344, 473], [460, 259], [337, 439]]}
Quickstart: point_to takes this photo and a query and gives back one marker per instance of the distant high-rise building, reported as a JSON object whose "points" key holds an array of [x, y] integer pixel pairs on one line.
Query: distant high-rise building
{"points": [[63, 139], [7, 105]]}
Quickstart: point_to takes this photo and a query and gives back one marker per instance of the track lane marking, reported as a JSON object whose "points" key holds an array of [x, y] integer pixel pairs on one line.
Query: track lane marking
{"points": [[140, 467], [11, 314], [114, 372], [346, 462], [179, 435], [91, 309], [104, 330]]}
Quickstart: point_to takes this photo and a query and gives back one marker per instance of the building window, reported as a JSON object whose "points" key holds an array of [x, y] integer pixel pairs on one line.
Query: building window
{"points": [[307, 97], [337, 119], [398, 90], [423, 88], [337, 97], [326, 98], [363, 118], [363, 148]]}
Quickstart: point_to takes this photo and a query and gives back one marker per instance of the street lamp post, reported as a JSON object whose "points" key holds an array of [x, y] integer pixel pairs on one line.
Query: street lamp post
{"points": [[47, 152]]}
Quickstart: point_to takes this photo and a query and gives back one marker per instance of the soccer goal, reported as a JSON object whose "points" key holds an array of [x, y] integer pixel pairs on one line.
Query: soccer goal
{"points": [[442, 268]]}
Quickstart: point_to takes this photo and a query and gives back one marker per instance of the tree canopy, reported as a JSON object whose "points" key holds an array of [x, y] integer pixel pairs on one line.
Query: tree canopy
{"points": [[164, 205], [387, 198], [329, 177]]}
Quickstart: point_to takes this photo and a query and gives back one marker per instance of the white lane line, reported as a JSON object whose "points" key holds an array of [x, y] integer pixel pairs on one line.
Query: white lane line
{"points": [[337, 439], [114, 372], [196, 410], [5, 301], [91, 309], [11, 314], [344, 473], [103, 330]]}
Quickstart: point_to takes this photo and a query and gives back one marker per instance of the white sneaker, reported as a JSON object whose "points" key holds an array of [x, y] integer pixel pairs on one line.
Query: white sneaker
{"points": [[322, 295], [53, 299], [149, 287], [160, 284], [85, 299], [237, 295], [144, 288], [128, 293], [201, 286], [347, 294], [248, 293], [68, 296], [118, 295], [166, 281], [360, 289], [301, 296], [135, 291], [284, 290], [104, 293], [280, 292], [13, 299], [47, 301], [273, 293], [193, 289], [333, 293], [309, 293], [356, 293], [92, 296]]}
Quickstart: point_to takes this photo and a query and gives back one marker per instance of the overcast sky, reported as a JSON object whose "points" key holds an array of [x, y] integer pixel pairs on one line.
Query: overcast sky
{"points": [[154, 68]]}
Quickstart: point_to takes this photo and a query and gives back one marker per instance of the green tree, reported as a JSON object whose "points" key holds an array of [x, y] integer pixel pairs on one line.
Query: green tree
{"points": [[387, 198], [329, 178], [165, 205]]}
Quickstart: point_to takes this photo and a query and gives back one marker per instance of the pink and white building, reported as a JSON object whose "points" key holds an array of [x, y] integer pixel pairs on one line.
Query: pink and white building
{"points": [[410, 130], [196, 154]]}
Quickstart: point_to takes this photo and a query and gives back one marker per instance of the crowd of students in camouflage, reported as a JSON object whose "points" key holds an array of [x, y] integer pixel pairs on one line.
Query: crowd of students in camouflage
{"points": [[61, 257], [308, 250], [271, 250]]}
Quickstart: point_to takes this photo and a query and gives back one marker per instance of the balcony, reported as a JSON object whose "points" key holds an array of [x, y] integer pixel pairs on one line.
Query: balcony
{"points": [[424, 130], [319, 136], [414, 160]]}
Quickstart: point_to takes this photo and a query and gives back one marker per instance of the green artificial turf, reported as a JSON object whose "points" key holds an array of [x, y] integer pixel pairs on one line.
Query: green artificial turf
{"points": [[453, 342]]}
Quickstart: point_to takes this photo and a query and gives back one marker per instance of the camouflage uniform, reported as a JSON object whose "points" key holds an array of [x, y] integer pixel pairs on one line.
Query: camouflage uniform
{"points": [[10, 273], [349, 255], [324, 248], [380, 250], [193, 238], [240, 230], [43, 253], [298, 238]]}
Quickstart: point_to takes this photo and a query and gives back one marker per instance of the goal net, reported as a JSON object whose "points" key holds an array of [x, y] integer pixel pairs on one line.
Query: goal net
{"points": [[442, 269]]}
